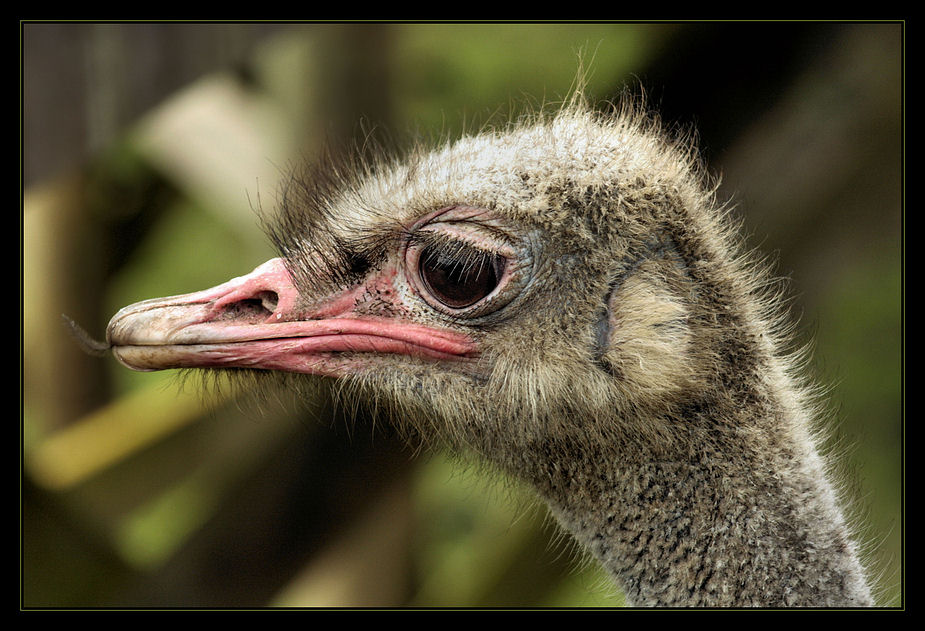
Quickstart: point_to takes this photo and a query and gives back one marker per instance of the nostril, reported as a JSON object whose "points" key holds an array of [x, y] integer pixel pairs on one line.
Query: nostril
{"points": [[255, 309], [269, 300]]}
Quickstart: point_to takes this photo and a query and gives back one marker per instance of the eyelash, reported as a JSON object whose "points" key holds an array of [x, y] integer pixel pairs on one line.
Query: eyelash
{"points": [[462, 257]]}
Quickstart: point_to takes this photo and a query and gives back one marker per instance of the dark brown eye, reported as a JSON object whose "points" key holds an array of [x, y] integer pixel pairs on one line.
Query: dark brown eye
{"points": [[460, 279]]}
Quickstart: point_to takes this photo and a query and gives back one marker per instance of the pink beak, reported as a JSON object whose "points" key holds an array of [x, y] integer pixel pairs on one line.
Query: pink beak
{"points": [[255, 322]]}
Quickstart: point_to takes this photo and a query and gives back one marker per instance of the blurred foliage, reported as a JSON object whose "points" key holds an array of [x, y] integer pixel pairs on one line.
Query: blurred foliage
{"points": [[473, 71], [138, 522]]}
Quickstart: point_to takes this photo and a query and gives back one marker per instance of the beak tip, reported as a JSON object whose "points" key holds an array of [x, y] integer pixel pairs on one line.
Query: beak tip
{"points": [[130, 366]]}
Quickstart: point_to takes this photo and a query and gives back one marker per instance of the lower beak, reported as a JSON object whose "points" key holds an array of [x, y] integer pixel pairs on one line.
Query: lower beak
{"points": [[255, 322]]}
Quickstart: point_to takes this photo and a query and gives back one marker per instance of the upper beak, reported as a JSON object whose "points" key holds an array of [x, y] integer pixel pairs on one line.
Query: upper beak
{"points": [[255, 321]]}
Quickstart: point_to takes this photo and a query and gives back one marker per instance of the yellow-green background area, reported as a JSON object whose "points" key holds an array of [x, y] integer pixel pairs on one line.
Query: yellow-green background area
{"points": [[141, 489]]}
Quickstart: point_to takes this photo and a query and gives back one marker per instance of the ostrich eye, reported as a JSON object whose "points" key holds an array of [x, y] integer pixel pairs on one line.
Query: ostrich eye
{"points": [[461, 278]]}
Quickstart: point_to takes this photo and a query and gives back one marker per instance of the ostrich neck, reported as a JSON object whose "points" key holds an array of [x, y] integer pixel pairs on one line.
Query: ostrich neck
{"points": [[723, 525]]}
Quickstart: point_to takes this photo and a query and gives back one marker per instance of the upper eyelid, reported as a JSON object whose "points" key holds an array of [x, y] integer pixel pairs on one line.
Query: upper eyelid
{"points": [[493, 232], [424, 238], [468, 233]]}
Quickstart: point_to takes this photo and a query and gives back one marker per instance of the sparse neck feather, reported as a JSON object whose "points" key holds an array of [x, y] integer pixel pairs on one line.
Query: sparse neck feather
{"points": [[730, 524]]}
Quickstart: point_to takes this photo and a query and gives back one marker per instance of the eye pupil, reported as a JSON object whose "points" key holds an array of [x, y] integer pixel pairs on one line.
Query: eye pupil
{"points": [[459, 283]]}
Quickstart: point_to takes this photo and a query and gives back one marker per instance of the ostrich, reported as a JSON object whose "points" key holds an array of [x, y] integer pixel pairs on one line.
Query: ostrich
{"points": [[566, 298]]}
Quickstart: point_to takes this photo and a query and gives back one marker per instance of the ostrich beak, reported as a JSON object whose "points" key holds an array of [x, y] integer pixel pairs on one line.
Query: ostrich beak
{"points": [[255, 321]]}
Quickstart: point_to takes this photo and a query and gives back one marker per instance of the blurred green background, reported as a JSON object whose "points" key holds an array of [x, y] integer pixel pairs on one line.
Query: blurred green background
{"points": [[145, 148]]}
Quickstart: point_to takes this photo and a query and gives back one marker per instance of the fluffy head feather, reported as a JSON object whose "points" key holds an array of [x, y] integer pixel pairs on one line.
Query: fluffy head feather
{"points": [[603, 209]]}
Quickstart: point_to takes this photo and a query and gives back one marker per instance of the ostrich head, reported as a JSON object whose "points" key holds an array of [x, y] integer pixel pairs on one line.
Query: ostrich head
{"points": [[503, 289], [566, 298]]}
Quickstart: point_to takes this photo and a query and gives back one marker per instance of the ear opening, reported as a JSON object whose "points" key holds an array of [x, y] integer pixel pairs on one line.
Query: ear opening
{"points": [[644, 337]]}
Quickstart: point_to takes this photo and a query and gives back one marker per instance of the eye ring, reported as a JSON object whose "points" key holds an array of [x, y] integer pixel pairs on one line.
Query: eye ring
{"points": [[462, 243]]}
